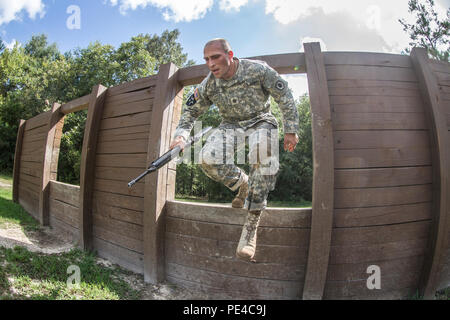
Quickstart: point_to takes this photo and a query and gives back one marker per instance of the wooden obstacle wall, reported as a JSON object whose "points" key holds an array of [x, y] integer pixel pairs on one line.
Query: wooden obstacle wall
{"points": [[380, 187]]}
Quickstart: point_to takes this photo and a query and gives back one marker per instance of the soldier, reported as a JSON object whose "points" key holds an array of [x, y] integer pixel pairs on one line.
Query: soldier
{"points": [[240, 88]]}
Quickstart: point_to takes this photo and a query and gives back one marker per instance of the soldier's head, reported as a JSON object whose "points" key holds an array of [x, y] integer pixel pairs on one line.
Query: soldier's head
{"points": [[219, 58]]}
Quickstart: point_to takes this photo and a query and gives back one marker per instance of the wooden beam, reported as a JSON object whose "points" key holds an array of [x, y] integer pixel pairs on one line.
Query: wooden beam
{"points": [[54, 122], [437, 240], [76, 105], [17, 155], [288, 63], [323, 176], [155, 194], [87, 170]]}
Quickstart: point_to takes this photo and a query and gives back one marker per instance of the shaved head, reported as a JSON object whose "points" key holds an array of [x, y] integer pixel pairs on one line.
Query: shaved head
{"points": [[223, 43]]}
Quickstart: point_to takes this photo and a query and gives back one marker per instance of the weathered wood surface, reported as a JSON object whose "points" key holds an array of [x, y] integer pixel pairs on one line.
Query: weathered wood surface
{"points": [[438, 240], [17, 160], [323, 176], [155, 192], [87, 170]]}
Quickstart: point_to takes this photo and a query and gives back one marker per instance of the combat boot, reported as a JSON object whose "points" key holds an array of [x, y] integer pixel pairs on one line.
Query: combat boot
{"points": [[239, 200], [247, 244]]}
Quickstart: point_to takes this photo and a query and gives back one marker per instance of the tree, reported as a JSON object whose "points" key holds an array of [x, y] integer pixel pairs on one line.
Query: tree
{"points": [[429, 31], [38, 47]]}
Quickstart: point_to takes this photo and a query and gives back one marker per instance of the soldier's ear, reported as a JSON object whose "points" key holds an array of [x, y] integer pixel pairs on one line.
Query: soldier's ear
{"points": [[230, 54]]}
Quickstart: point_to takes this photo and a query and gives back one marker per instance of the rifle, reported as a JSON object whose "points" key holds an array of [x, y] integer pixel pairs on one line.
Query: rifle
{"points": [[168, 156]]}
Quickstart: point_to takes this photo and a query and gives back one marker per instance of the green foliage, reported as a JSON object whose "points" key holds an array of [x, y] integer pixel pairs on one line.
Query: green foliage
{"points": [[428, 31], [36, 75]]}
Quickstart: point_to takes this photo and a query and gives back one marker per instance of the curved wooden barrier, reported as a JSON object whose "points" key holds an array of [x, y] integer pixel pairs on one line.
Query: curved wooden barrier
{"points": [[380, 193]]}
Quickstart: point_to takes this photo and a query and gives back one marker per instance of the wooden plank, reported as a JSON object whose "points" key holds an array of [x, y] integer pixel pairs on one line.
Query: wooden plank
{"points": [[235, 266], [215, 249], [386, 104], [383, 157], [266, 235], [117, 239], [54, 121], [225, 214], [127, 108], [116, 200], [243, 285], [64, 212], [17, 158], [64, 192], [132, 120], [382, 177], [378, 251], [379, 121], [117, 213], [380, 234], [117, 174], [135, 85], [87, 170], [372, 84], [35, 181], [123, 228], [122, 160], [78, 104], [439, 66], [385, 196], [288, 63], [371, 216], [393, 287], [129, 97], [119, 187], [437, 241], [125, 258], [349, 72], [155, 194], [374, 91], [125, 146], [358, 271], [367, 59], [323, 178], [37, 121], [375, 139]]}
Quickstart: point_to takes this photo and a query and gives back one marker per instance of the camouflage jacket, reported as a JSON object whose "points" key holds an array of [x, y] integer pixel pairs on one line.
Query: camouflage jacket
{"points": [[243, 100]]}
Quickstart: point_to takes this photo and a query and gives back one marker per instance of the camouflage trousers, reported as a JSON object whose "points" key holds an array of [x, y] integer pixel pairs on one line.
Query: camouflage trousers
{"points": [[225, 148]]}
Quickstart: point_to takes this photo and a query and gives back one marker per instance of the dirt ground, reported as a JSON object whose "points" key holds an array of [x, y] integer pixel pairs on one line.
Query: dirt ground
{"points": [[51, 241]]}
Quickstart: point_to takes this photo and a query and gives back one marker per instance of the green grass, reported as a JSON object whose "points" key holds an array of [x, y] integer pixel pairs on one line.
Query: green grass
{"points": [[11, 213], [29, 275], [37, 276]]}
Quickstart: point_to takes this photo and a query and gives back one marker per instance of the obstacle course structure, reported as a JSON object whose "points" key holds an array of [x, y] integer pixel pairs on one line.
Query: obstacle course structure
{"points": [[381, 147]]}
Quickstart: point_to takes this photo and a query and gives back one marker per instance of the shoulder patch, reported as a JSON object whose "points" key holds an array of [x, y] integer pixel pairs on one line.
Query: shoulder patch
{"points": [[279, 85]]}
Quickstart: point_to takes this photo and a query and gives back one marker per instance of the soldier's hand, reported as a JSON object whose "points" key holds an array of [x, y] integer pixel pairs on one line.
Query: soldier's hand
{"points": [[178, 141], [290, 141]]}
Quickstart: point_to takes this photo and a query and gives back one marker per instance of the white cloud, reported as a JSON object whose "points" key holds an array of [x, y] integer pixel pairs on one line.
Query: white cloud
{"points": [[230, 5], [303, 40], [11, 44], [12, 10], [298, 84], [373, 20], [175, 10]]}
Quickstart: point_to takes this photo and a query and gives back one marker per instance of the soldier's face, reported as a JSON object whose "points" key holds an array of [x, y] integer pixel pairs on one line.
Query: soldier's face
{"points": [[218, 61]]}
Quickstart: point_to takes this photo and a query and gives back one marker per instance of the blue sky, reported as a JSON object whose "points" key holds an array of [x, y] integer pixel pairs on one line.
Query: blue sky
{"points": [[253, 27]]}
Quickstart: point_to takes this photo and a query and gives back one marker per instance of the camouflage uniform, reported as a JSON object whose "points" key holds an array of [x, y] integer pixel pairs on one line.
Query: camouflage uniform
{"points": [[244, 105]]}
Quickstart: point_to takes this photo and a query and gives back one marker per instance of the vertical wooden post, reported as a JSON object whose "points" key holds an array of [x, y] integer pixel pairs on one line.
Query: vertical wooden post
{"points": [[155, 194], [17, 156], [87, 169], [436, 117], [323, 176], [55, 116]]}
